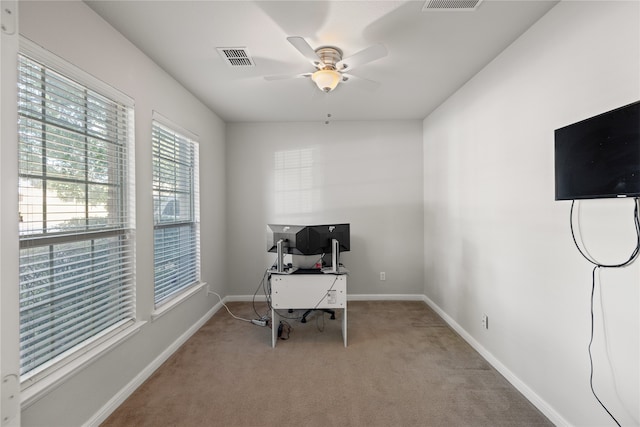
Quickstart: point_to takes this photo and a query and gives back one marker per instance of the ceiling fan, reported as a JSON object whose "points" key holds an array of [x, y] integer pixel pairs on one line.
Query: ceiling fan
{"points": [[331, 67]]}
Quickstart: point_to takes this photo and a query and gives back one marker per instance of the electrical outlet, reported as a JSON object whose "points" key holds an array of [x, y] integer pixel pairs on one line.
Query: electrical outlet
{"points": [[485, 321], [383, 276]]}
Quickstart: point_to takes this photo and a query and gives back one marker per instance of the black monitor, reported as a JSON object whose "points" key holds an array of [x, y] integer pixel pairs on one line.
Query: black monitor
{"points": [[327, 240], [307, 239], [321, 236]]}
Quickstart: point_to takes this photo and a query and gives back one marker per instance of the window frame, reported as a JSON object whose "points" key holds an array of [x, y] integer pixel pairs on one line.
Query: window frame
{"points": [[61, 366], [162, 125]]}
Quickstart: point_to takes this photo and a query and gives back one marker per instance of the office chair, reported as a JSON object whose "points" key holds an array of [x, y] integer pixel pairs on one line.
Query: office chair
{"points": [[326, 310]]}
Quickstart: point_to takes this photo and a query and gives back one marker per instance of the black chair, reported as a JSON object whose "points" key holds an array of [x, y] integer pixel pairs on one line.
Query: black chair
{"points": [[326, 310], [306, 313]]}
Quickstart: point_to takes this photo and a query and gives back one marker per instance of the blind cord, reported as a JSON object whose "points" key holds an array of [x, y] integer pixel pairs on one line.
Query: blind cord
{"points": [[597, 265]]}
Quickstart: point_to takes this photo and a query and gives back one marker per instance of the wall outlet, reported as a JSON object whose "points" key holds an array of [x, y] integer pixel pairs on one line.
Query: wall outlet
{"points": [[383, 276], [485, 321]]}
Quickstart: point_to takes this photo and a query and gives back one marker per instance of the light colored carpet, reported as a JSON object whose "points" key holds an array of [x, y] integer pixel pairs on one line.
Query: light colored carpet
{"points": [[403, 367]]}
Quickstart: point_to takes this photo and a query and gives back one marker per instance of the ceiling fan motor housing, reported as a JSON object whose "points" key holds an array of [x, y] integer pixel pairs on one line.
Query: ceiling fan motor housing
{"points": [[330, 56]]}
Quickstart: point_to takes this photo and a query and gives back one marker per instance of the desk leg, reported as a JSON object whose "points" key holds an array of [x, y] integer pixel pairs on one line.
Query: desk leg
{"points": [[274, 328], [344, 326]]}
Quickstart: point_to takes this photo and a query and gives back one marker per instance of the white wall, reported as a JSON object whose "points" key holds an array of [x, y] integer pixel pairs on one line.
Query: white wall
{"points": [[74, 32], [368, 174], [496, 242]]}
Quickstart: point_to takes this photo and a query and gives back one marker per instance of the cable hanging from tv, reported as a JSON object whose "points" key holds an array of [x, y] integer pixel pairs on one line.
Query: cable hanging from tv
{"points": [[597, 265]]}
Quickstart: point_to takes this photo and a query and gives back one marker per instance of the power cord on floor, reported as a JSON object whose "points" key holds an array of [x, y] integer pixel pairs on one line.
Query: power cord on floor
{"points": [[225, 306]]}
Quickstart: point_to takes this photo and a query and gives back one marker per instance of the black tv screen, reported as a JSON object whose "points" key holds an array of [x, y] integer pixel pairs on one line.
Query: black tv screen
{"points": [[599, 157]]}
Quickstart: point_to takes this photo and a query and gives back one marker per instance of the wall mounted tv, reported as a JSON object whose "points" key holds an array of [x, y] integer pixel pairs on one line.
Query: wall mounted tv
{"points": [[599, 157]]}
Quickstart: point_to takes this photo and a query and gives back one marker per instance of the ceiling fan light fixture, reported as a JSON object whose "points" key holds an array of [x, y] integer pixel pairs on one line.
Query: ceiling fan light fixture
{"points": [[326, 80]]}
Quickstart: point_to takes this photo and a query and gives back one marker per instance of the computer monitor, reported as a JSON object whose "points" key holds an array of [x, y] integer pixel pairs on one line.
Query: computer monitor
{"points": [[308, 239], [327, 239], [294, 238], [321, 236]]}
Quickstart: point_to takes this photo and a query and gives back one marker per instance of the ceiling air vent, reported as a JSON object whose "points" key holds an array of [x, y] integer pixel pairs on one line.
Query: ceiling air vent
{"points": [[236, 56], [450, 5]]}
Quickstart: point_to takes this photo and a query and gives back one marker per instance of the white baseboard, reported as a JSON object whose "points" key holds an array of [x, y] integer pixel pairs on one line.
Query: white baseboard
{"points": [[384, 297], [245, 298], [113, 403], [350, 297], [532, 396]]}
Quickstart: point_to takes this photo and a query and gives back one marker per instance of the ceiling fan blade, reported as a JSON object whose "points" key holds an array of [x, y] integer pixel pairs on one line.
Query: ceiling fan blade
{"points": [[306, 50], [369, 54], [286, 76], [367, 84]]}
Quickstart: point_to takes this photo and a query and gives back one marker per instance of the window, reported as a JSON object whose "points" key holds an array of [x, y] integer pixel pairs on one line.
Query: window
{"points": [[76, 213], [176, 236], [294, 181]]}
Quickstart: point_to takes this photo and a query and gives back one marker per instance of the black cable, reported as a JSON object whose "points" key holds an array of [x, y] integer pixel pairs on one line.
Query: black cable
{"points": [[633, 255], [260, 284], [632, 258], [593, 288]]}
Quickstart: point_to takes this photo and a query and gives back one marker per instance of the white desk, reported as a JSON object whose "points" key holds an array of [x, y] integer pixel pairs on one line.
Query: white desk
{"points": [[307, 291]]}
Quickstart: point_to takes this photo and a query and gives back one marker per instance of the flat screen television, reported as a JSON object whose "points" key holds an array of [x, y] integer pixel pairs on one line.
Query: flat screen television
{"points": [[599, 157]]}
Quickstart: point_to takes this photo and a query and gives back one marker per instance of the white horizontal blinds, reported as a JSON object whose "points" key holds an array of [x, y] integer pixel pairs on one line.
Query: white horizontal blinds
{"points": [[76, 249], [294, 181], [176, 221]]}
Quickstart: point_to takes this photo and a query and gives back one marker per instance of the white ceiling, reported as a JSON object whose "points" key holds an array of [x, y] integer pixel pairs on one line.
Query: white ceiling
{"points": [[431, 54]]}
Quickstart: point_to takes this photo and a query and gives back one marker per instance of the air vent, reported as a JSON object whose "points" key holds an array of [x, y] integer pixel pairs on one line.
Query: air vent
{"points": [[236, 56], [450, 5]]}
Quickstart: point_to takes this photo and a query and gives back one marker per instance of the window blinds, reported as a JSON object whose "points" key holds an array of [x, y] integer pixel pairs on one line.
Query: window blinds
{"points": [[76, 244], [176, 217]]}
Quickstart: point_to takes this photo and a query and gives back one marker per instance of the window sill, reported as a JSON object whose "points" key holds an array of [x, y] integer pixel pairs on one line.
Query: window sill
{"points": [[172, 303], [33, 389]]}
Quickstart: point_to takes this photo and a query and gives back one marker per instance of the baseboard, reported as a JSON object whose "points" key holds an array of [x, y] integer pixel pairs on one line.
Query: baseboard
{"points": [[245, 298], [384, 297], [350, 297], [532, 396], [113, 403]]}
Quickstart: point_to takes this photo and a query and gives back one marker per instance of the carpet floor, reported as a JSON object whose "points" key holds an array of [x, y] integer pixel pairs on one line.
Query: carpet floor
{"points": [[404, 366]]}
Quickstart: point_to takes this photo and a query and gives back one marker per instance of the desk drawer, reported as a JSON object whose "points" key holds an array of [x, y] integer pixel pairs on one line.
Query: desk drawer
{"points": [[309, 291]]}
